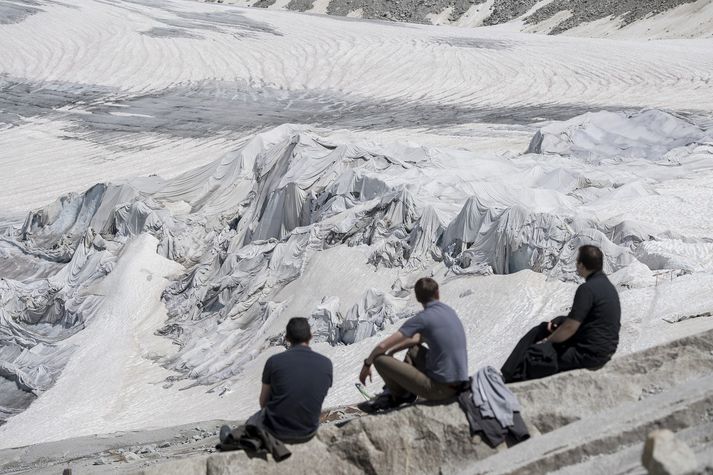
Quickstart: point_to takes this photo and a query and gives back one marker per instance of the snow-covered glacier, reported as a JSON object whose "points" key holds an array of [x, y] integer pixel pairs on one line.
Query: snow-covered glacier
{"points": [[234, 168]]}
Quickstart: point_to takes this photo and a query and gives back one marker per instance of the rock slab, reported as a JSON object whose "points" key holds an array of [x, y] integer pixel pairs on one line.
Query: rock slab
{"points": [[664, 454]]}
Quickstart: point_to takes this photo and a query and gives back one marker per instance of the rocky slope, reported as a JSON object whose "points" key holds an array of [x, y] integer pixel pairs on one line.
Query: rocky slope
{"points": [[579, 421], [549, 16]]}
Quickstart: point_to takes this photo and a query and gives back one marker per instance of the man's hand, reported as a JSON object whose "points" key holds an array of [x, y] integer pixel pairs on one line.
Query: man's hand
{"points": [[393, 344], [555, 323], [365, 371], [565, 331]]}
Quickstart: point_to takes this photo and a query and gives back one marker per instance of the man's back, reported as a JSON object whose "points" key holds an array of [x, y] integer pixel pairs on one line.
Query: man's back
{"points": [[596, 306], [440, 327], [299, 380]]}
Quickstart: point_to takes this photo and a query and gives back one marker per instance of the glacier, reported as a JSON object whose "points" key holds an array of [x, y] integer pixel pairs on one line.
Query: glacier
{"points": [[172, 201]]}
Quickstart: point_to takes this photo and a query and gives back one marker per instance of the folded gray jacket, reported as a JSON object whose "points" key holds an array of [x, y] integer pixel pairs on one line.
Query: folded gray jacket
{"points": [[492, 397]]}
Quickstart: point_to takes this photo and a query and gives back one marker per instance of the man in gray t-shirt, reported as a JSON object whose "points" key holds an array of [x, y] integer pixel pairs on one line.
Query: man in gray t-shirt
{"points": [[433, 373]]}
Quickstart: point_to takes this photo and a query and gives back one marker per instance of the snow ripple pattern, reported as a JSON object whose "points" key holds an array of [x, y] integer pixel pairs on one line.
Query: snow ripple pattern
{"points": [[90, 81]]}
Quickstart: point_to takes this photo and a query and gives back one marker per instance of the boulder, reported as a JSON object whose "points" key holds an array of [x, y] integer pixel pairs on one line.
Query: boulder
{"points": [[571, 416], [664, 454], [420, 439], [582, 421]]}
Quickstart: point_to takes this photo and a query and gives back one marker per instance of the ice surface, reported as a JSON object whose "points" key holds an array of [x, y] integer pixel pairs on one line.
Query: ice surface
{"points": [[136, 300], [649, 134], [285, 197]]}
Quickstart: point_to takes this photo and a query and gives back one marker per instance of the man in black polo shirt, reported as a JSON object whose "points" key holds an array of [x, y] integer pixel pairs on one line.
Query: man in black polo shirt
{"points": [[294, 385], [586, 338]]}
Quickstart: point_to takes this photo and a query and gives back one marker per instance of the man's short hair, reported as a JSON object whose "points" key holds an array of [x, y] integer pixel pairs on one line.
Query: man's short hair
{"points": [[426, 289], [591, 258], [298, 331]]}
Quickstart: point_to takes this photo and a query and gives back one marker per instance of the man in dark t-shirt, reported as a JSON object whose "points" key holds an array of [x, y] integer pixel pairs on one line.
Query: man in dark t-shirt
{"points": [[294, 385], [586, 338]]}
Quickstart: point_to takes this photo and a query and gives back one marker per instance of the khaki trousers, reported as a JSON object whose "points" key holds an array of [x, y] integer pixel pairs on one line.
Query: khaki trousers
{"points": [[402, 377]]}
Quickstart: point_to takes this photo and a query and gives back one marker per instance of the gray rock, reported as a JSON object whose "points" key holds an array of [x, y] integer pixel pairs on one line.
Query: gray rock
{"points": [[583, 11], [190, 466], [502, 11], [581, 422], [650, 391], [131, 457], [664, 454], [582, 414], [604, 433]]}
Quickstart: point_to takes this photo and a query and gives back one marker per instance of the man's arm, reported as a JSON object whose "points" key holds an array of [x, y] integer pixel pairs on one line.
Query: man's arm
{"points": [[264, 395], [583, 301], [396, 341], [564, 332], [408, 343]]}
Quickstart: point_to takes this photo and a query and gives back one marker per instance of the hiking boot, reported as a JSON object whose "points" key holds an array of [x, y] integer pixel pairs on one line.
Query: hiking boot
{"points": [[384, 402], [408, 398]]}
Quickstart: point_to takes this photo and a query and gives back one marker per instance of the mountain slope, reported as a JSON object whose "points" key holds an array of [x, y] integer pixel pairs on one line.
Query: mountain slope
{"points": [[601, 18]]}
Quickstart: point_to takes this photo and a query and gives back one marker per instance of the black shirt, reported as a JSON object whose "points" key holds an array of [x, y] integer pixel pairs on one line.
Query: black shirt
{"points": [[299, 380], [596, 306]]}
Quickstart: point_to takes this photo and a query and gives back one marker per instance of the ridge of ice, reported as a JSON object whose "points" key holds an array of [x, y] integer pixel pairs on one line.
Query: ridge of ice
{"points": [[649, 134]]}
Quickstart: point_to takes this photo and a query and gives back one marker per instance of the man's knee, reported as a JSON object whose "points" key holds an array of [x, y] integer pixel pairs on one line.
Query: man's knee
{"points": [[596, 363], [382, 361]]}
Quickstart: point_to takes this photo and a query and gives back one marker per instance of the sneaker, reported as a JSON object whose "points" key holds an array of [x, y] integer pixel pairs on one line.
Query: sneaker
{"points": [[409, 398], [381, 402], [226, 436], [384, 402]]}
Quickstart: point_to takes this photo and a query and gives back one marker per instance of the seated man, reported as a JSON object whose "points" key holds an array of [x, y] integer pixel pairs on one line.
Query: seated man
{"points": [[294, 385], [586, 338], [433, 373]]}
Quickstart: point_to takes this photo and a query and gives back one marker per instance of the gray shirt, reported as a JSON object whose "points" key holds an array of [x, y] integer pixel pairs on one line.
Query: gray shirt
{"points": [[440, 327]]}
